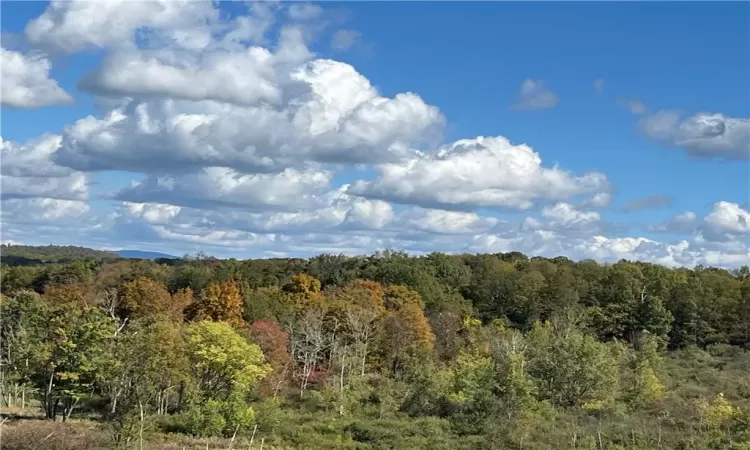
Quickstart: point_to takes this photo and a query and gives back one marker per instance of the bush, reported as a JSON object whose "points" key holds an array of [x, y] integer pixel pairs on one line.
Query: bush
{"points": [[216, 418]]}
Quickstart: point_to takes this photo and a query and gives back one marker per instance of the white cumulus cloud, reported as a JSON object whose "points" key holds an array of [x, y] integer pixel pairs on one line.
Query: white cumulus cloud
{"points": [[705, 135], [480, 172], [332, 115], [26, 82]]}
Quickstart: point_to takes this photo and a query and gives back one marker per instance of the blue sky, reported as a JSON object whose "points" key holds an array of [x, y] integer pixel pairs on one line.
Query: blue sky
{"points": [[654, 97]]}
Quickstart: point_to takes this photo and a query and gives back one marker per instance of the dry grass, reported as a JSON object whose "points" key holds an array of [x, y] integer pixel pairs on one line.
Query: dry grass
{"points": [[43, 434], [180, 442], [85, 435]]}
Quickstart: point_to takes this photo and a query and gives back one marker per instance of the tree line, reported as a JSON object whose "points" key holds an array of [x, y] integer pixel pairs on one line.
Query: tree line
{"points": [[385, 351]]}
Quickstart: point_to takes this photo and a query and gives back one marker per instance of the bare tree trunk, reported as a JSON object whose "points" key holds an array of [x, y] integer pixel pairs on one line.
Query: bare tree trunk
{"points": [[69, 409], [281, 380], [231, 443], [48, 406], [140, 430], [364, 358], [341, 390], [252, 438], [114, 401]]}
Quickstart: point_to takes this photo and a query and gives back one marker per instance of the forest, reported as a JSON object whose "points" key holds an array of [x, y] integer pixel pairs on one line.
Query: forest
{"points": [[386, 351]]}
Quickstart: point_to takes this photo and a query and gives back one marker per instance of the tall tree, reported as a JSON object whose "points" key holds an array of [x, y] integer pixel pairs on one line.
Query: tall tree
{"points": [[223, 362], [69, 355], [218, 302]]}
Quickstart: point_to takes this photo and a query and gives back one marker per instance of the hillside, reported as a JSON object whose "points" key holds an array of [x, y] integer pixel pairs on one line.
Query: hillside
{"points": [[19, 255], [387, 351]]}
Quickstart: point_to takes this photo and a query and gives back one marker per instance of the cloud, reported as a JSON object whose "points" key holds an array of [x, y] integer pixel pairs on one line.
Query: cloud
{"points": [[72, 187], [304, 11], [221, 186], [32, 159], [727, 217], [334, 213], [651, 202], [726, 226], [71, 26], [29, 172], [566, 232], [599, 86], [447, 222], [44, 210], [26, 82], [335, 116], [245, 147], [477, 173], [343, 40], [635, 106], [535, 95], [682, 223], [249, 77], [567, 215], [705, 135], [598, 200], [610, 249]]}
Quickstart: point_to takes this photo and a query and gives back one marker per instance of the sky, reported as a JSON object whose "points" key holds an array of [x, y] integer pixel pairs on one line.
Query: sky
{"points": [[601, 130]]}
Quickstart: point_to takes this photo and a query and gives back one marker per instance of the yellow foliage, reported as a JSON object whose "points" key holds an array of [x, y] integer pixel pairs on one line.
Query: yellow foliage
{"points": [[303, 284], [470, 323], [596, 405], [719, 412], [305, 292], [649, 386]]}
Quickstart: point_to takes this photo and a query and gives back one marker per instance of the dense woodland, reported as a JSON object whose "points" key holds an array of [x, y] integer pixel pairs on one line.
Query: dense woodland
{"points": [[387, 351]]}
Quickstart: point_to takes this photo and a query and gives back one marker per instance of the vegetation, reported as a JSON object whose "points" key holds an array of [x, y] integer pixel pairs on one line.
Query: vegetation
{"points": [[380, 352], [31, 255]]}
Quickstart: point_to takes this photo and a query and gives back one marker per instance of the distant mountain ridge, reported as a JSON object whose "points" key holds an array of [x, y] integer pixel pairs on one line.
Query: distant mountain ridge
{"points": [[139, 254], [24, 255], [27, 254]]}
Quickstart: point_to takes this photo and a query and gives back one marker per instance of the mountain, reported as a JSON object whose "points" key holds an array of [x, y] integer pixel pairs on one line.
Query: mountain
{"points": [[138, 254]]}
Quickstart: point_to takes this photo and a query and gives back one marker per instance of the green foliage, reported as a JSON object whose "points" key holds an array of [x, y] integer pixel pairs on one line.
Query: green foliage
{"points": [[218, 418], [385, 352], [68, 355], [574, 370]]}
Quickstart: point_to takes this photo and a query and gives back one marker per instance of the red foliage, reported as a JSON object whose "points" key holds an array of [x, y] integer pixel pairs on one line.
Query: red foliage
{"points": [[273, 340]]}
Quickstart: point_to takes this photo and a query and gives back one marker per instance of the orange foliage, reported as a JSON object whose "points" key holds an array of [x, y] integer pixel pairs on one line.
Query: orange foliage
{"points": [[357, 294], [69, 293], [181, 300], [419, 328], [219, 302], [406, 306], [144, 297]]}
